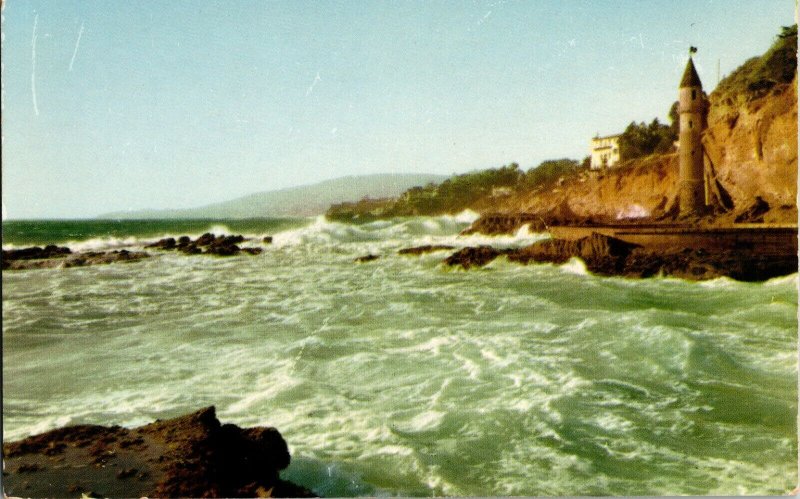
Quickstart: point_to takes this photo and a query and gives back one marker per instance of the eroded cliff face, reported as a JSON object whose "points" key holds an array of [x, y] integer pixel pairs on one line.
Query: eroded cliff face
{"points": [[751, 143], [643, 188]]}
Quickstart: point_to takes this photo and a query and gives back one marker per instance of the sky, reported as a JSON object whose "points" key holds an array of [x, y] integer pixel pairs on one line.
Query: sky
{"points": [[113, 106]]}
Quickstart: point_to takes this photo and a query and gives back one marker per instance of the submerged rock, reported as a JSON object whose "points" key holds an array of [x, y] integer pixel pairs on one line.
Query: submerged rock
{"points": [[473, 256], [189, 456], [366, 258], [428, 248]]}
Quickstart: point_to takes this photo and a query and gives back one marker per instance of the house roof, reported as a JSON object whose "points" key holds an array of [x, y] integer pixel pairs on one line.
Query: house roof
{"points": [[607, 137], [690, 77]]}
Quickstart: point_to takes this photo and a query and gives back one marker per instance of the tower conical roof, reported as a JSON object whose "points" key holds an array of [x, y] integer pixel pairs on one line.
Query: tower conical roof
{"points": [[690, 77]]}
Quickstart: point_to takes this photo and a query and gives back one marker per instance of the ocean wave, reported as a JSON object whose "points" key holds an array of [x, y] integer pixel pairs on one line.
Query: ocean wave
{"points": [[575, 266]]}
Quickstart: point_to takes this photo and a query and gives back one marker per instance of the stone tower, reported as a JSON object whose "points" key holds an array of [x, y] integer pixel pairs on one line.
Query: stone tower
{"points": [[692, 108]]}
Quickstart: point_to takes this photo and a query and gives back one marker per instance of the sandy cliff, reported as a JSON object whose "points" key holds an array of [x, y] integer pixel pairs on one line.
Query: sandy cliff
{"points": [[752, 144]]}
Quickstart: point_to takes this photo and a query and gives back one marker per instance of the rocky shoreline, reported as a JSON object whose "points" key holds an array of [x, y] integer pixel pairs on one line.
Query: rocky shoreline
{"points": [[62, 257], [189, 456], [52, 256], [609, 256]]}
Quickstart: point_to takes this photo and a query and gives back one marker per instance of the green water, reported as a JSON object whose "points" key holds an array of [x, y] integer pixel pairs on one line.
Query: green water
{"points": [[400, 376]]}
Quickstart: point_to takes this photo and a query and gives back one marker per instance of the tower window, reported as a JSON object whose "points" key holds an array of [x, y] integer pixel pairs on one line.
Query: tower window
{"points": [[694, 94], [690, 123]]}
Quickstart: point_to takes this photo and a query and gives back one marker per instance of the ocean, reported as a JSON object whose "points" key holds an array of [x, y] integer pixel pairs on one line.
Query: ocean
{"points": [[400, 376]]}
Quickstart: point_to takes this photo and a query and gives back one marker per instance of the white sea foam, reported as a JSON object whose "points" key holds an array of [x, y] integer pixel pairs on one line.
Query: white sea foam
{"points": [[575, 266]]}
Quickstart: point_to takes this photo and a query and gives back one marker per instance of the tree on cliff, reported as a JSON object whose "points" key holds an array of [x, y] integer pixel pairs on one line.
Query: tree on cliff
{"points": [[641, 139]]}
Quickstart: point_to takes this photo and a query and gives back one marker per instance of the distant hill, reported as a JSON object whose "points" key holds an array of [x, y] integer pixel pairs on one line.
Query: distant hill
{"points": [[306, 200]]}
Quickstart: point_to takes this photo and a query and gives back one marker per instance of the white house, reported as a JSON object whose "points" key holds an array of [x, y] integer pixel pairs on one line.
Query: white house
{"points": [[605, 151]]}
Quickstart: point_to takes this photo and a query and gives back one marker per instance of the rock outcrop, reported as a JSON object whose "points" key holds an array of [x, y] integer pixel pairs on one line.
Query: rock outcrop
{"points": [[189, 456], [207, 244], [474, 256], [428, 248], [62, 257], [610, 256]]}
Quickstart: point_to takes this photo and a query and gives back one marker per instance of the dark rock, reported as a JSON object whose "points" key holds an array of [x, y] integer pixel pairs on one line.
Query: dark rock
{"points": [[229, 240], [222, 250], [473, 256], [252, 251], [610, 256], [419, 250], [509, 223], [189, 456], [366, 258], [167, 243], [36, 253], [190, 249], [267, 240], [205, 239], [214, 245], [753, 213], [66, 259], [602, 253]]}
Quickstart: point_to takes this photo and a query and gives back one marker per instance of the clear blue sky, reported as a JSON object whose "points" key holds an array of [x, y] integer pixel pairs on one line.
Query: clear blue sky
{"points": [[112, 105]]}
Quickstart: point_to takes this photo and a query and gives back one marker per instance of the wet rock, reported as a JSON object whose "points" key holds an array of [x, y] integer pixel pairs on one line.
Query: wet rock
{"points": [[428, 248], [190, 249], [205, 239], [189, 456], [473, 256], [366, 258], [67, 259], [610, 256], [222, 250], [267, 240], [166, 244], [222, 245], [36, 253], [252, 251], [602, 253]]}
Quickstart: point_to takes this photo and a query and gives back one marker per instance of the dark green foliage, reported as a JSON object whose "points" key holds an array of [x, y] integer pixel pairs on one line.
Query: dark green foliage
{"points": [[759, 74], [641, 139], [548, 172], [674, 119], [457, 192]]}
